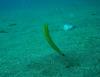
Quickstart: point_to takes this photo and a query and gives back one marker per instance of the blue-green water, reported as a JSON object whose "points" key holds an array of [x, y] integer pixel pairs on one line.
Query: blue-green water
{"points": [[24, 51], [18, 4]]}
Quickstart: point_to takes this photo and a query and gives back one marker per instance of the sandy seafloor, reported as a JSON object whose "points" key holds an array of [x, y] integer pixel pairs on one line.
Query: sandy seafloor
{"points": [[24, 52]]}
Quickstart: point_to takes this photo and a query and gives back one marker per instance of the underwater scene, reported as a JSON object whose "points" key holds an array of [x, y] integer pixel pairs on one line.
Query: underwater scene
{"points": [[49, 38]]}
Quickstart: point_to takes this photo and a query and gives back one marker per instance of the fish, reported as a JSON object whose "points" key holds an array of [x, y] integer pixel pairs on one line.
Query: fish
{"points": [[50, 40]]}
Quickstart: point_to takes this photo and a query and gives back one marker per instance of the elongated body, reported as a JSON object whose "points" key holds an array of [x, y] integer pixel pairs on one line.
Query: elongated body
{"points": [[49, 39]]}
